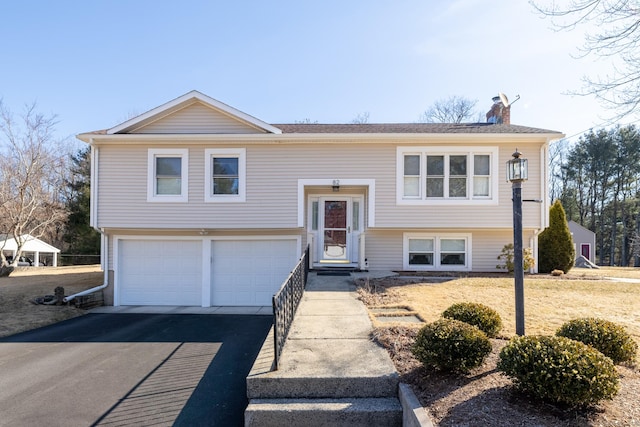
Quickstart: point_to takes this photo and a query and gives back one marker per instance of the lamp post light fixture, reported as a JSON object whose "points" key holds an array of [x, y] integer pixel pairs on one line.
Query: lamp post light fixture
{"points": [[516, 174]]}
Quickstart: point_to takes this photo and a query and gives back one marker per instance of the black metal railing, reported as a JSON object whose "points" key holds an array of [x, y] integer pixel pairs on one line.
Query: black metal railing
{"points": [[285, 303]]}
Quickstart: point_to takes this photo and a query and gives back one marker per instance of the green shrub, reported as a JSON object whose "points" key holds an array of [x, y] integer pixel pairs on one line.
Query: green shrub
{"points": [[484, 318], [555, 244], [451, 345], [506, 259], [559, 370], [610, 339]]}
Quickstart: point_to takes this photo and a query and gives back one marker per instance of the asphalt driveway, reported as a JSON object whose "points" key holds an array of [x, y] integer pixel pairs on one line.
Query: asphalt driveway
{"points": [[130, 370]]}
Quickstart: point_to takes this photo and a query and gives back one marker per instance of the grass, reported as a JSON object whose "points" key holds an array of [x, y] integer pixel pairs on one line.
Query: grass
{"points": [[549, 301]]}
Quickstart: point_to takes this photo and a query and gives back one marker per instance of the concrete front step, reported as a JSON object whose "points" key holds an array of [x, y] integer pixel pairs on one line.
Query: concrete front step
{"points": [[326, 368], [322, 387], [370, 412]]}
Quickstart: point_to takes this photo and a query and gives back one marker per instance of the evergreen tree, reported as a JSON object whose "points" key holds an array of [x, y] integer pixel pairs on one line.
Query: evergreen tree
{"points": [[80, 236], [555, 244]]}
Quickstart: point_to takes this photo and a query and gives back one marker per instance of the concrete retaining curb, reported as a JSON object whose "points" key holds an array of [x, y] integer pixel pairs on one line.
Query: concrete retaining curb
{"points": [[413, 414]]}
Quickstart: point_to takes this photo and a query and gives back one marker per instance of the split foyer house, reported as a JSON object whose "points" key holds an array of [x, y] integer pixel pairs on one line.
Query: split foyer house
{"points": [[201, 204]]}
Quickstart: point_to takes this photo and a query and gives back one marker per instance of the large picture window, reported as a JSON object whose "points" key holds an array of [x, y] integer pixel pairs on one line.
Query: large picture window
{"points": [[447, 175], [225, 169], [167, 172], [423, 251]]}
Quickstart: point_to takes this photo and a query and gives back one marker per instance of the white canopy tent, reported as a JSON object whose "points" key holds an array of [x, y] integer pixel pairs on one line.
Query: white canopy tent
{"points": [[32, 245]]}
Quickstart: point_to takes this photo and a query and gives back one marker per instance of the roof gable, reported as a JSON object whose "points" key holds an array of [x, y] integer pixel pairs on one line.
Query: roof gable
{"points": [[193, 113], [574, 227]]}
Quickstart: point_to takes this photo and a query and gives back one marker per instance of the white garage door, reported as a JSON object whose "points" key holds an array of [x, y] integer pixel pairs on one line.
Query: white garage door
{"points": [[160, 272], [249, 272]]}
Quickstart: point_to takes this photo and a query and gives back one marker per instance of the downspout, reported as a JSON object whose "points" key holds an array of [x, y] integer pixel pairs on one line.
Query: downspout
{"points": [[104, 255], [105, 282]]}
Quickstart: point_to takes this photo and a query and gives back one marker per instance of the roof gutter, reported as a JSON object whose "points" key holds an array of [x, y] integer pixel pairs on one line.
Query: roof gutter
{"points": [[298, 138]]}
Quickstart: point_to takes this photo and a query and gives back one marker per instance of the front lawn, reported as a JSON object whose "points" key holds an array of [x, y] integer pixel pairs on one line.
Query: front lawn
{"points": [[549, 301], [484, 396]]}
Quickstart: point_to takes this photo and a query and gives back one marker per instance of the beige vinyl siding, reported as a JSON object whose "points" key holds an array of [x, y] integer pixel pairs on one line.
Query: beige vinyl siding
{"points": [[273, 171], [211, 234], [488, 244], [384, 247], [469, 215], [272, 187], [197, 118]]}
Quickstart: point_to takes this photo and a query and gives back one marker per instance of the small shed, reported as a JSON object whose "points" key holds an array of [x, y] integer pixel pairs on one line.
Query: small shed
{"points": [[584, 241], [32, 245]]}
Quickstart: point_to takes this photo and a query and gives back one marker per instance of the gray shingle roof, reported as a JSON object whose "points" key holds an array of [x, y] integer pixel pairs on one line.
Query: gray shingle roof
{"points": [[410, 128], [406, 128]]}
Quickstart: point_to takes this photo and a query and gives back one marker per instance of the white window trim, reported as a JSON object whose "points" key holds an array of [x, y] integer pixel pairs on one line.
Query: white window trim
{"points": [[442, 150], [241, 154], [183, 153], [436, 253]]}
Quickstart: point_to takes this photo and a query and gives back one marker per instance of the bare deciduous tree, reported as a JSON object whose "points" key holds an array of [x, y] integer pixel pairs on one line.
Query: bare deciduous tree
{"points": [[306, 121], [32, 171], [361, 119], [455, 109], [558, 152], [613, 32]]}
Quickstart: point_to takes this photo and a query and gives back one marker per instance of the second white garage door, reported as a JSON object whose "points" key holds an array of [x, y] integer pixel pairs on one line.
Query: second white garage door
{"points": [[249, 272]]}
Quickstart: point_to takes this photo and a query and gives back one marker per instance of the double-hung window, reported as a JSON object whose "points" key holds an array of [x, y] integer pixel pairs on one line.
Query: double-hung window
{"points": [[225, 175], [167, 172], [437, 252], [481, 175], [450, 175]]}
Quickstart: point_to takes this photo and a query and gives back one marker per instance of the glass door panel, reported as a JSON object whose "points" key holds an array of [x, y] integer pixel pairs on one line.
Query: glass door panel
{"points": [[335, 230]]}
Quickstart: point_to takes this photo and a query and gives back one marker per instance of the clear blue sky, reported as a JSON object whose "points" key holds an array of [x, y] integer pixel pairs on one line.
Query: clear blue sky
{"points": [[96, 63]]}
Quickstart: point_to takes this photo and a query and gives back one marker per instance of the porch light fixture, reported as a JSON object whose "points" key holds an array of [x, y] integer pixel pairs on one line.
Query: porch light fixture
{"points": [[517, 168], [336, 185], [516, 174]]}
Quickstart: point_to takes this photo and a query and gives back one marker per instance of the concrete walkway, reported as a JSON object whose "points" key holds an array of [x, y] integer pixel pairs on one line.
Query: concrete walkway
{"points": [[330, 372]]}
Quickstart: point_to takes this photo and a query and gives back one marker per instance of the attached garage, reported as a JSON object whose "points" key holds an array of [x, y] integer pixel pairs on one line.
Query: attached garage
{"points": [[170, 271], [249, 272], [160, 272]]}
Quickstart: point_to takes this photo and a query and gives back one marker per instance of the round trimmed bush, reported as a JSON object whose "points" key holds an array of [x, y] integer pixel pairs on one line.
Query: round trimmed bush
{"points": [[559, 370], [451, 345], [610, 339], [483, 317]]}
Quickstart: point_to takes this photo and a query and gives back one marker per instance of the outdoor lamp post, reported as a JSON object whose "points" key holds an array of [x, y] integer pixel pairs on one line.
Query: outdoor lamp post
{"points": [[516, 174]]}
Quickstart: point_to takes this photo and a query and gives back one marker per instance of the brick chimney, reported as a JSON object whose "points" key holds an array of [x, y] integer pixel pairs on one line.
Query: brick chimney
{"points": [[499, 113]]}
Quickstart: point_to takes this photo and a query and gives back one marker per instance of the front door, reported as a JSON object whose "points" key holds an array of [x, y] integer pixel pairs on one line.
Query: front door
{"points": [[335, 244], [339, 222]]}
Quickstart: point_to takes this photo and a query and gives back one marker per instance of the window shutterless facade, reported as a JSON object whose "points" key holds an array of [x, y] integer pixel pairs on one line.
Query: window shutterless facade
{"points": [[447, 175], [167, 175], [225, 175]]}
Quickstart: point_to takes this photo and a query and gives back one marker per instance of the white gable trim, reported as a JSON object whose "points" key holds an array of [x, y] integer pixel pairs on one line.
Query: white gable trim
{"points": [[371, 195], [185, 99]]}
